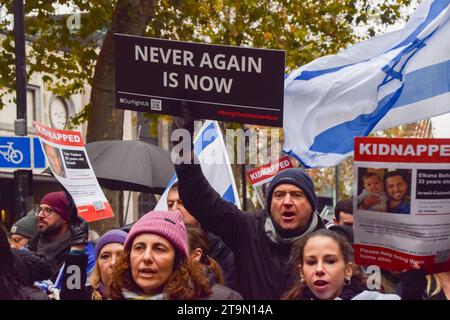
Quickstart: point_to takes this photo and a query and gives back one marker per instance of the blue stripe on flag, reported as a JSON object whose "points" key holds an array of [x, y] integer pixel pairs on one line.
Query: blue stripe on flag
{"points": [[435, 9], [229, 195], [172, 181], [425, 83], [419, 85], [308, 75], [203, 141]]}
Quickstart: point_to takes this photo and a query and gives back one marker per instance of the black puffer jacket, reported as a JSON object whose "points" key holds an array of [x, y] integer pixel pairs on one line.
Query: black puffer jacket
{"points": [[31, 266], [223, 255], [262, 267]]}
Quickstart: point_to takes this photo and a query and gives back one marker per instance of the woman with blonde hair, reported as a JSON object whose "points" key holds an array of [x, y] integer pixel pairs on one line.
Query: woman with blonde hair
{"points": [[107, 253], [156, 264], [438, 286]]}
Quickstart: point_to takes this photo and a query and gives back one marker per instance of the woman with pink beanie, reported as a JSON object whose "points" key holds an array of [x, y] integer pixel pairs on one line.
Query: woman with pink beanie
{"points": [[155, 263]]}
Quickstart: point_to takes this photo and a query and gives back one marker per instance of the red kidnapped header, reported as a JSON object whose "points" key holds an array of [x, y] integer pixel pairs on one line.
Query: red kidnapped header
{"points": [[402, 150], [62, 137], [268, 170]]}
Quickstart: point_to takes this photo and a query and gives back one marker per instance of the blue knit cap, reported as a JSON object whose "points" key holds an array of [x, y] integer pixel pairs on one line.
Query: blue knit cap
{"points": [[112, 236], [297, 177]]}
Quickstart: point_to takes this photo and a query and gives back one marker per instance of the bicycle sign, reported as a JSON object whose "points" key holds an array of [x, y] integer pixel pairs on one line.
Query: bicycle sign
{"points": [[15, 152], [10, 154]]}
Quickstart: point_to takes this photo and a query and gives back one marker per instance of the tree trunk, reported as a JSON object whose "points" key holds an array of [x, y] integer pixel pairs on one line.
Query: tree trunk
{"points": [[105, 121]]}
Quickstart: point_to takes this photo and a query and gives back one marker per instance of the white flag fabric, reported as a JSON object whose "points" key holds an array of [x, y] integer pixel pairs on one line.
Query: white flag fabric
{"points": [[386, 81], [210, 149]]}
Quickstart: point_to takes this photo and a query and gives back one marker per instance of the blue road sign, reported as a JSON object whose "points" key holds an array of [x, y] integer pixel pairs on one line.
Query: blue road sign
{"points": [[21, 153], [39, 157], [15, 152]]}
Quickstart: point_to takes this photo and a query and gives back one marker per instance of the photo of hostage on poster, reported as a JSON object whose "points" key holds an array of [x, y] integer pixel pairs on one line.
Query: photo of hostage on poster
{"points": [[402, 203], [384, 190], [54, 159], [69, 163]]}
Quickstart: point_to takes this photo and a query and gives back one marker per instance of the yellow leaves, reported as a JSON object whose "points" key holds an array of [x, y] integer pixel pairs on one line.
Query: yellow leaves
{"points": [[233, 33], [217, 5], [268, 36]]}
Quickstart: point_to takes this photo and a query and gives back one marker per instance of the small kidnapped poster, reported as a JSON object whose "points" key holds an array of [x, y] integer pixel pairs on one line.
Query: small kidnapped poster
{"points": [[69, 163]]}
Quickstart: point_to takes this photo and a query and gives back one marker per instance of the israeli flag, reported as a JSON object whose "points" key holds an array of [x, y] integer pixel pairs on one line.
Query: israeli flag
{"points": [[386, 81], [209, 148]]}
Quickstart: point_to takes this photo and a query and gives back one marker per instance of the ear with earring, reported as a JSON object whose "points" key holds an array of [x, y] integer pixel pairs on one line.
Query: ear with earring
{"points": [[302, 278], [347, 281]]}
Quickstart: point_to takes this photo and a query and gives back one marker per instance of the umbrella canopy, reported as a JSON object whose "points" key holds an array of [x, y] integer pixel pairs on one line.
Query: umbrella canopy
{"points": [[130, 165]]}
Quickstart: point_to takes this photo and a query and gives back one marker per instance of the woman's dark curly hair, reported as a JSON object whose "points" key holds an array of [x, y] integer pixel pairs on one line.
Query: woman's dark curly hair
{"points": [[187, 282]]}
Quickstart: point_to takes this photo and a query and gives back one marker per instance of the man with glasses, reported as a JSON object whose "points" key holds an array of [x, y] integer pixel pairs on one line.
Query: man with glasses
{"points": [[59, 230]]}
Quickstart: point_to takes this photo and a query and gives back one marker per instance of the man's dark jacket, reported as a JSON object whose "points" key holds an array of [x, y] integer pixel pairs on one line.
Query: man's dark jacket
{"points": [[223, 255], [54, 251], [262, 267]]}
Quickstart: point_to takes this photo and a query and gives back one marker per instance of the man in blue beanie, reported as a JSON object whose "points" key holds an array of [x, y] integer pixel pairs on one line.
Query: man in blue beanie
{"points": [[292, 202], [261, 241]]}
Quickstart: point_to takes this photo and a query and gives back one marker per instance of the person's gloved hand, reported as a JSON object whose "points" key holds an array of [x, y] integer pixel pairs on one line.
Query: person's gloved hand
{"points": [[79, 232], [180, 153], [185, 120], [412, 283], [72, 208]]}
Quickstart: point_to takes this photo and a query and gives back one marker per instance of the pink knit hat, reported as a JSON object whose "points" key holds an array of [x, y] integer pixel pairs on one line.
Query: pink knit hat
{"points": [[169, 225], [58, 201]]}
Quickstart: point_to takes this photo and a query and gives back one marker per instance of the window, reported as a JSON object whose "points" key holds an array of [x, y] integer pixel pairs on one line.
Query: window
{"points": [[9, 112]]}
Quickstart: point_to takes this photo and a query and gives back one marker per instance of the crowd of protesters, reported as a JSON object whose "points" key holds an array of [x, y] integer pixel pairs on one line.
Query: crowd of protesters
{"points": [[203, 247], [285, 252]]}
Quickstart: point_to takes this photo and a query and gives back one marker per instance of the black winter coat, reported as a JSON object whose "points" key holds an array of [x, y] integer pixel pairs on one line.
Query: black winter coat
{"points": [[262, 267], [55, 253], [31, 266], [224, 257]]}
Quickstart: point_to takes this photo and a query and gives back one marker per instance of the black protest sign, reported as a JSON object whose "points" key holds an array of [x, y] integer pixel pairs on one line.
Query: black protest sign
{"points": [[73, 284], [221, 82]]}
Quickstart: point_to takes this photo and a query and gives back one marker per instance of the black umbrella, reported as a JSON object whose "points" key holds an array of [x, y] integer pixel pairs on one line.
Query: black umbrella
{"points": [[130, 165]]}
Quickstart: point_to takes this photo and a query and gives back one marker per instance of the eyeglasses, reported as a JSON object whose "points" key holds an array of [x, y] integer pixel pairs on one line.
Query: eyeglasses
{"points": [[46, 211]]}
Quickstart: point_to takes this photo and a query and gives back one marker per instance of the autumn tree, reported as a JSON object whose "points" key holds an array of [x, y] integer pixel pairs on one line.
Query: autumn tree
{"points": [[69, 60]]}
